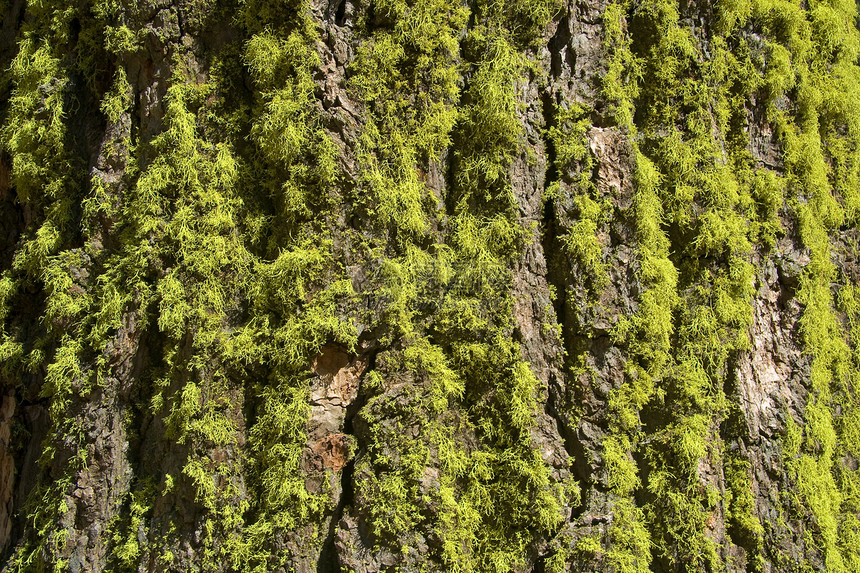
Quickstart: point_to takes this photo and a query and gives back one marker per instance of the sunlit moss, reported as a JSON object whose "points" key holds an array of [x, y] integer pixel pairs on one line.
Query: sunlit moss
{"points": [[227, 257]]}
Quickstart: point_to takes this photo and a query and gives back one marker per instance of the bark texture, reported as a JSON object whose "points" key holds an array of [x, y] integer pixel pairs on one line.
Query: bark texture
{"points": [[428, 285]]}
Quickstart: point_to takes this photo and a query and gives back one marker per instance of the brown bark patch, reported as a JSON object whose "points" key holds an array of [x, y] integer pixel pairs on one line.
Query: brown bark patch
{"points": [[331, 452], [339, 374]]}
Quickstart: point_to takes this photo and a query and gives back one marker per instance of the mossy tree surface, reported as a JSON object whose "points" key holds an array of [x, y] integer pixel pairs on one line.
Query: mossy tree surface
{"points": [[206, 204]]}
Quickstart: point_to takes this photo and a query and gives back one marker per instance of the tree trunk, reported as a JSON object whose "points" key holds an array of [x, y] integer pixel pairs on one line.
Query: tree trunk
{"points": [[419, 285]]}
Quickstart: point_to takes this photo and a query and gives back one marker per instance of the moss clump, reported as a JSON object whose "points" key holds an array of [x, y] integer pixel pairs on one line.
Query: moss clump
{"points": [[447, 308], [697, 179]]}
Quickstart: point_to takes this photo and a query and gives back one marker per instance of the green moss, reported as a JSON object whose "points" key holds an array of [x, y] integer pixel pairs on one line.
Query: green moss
{"points": [[817, 155], [226, 258], [406, 75], [472, 371], [125, 536], [299, 294], [620, 85], [568, 137], [629, 542], [696, 178]]}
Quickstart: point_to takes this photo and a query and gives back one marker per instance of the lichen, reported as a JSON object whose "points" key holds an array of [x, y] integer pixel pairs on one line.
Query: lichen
{"points": [[208, 256]]}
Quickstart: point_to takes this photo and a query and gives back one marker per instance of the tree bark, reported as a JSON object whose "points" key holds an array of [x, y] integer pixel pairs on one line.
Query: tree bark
{"points": [[420, 285]]}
